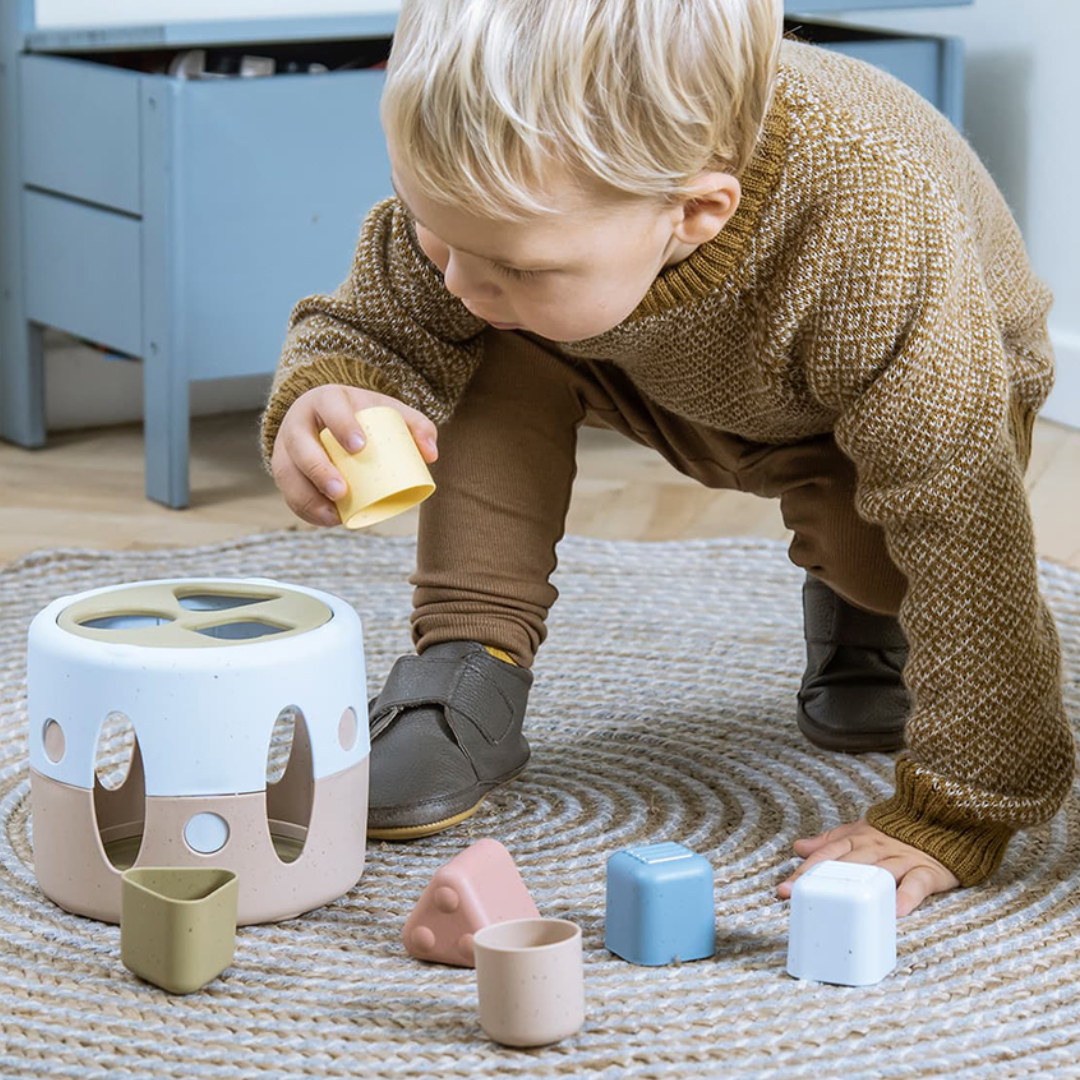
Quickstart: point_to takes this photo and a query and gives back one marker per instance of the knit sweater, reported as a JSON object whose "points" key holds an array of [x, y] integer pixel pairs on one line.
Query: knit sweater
{"points": [[871, 283]]}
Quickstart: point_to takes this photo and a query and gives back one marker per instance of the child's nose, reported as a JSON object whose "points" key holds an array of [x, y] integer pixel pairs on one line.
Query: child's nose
{"points": [[467, 283]]}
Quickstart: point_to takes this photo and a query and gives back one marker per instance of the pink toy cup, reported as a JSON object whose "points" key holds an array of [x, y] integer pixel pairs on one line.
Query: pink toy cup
{"points": [[530, 981]]}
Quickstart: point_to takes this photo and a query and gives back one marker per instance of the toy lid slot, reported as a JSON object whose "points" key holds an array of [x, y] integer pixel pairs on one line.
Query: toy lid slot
{"points": [[181, 35]]}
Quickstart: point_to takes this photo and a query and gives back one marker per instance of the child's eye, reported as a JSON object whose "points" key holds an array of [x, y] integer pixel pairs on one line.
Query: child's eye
{"points": [[516, 275]]}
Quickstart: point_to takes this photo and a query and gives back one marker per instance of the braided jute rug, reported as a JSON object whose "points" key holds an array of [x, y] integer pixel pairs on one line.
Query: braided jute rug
{"points": [[663, 710]]}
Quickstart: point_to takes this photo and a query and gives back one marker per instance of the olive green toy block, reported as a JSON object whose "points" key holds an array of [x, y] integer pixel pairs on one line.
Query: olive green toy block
{"points": [[178, 925]]}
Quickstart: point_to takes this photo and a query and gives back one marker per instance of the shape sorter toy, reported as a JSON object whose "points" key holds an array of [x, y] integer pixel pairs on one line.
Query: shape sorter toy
{"points": [[476, 888], [659, 905], [842, 926], [202, 669]]}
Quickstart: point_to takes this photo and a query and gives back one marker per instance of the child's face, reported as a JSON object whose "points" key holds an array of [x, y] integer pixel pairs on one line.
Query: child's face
{"points": [[564, 277]]}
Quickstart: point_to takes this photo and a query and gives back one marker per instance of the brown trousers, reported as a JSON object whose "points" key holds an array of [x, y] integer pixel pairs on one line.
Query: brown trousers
{"points": [[506, 466]]}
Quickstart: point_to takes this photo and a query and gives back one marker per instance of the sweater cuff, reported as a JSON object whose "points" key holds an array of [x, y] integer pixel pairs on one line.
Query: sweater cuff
{"points": [[922, 815], [342, 370]]}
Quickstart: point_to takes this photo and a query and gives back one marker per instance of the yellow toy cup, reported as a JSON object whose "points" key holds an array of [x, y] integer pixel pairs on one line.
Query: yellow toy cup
{"points": [[387, 477]]}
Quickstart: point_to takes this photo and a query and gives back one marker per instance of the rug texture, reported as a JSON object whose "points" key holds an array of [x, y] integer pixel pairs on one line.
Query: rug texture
{"points": [[663, 710]]}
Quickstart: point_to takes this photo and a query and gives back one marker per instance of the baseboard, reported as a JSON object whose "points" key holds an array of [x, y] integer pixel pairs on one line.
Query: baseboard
{"points": [[83, 388], [1063, 405]]}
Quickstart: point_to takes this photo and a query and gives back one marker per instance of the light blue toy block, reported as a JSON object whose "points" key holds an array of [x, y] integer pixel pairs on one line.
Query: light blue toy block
{"points": [[659, 905], [843, 924]]}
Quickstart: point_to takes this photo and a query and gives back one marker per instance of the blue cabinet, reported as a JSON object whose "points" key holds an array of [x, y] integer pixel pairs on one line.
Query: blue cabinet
{"points": [[177, 221], [931, 65]]}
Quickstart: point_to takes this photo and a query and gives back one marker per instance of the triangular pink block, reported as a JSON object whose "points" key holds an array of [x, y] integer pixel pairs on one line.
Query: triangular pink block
{"points": [[479, 887]]}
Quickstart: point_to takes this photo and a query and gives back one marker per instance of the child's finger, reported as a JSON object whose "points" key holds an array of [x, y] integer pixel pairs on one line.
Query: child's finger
{"points": [[336, 410], [307, 455], [809, 844], [915, 887], [424, 432], [303, 498], [835, 849]]}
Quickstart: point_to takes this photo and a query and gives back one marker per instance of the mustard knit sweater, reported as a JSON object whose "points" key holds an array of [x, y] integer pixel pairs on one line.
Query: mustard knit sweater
{"points": [[871, 283]]}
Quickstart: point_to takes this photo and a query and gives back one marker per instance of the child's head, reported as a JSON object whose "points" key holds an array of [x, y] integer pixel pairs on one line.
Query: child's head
{"points": [[594, 141]]}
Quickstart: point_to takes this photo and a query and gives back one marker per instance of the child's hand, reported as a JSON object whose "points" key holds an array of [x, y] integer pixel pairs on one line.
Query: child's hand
{"points": [[917, 874], [307, 478]]}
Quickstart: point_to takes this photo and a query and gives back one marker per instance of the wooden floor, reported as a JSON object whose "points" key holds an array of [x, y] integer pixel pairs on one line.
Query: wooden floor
{"points": [[85, 490]]}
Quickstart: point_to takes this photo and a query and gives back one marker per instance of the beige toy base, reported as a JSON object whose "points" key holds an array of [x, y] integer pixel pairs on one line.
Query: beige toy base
{"points": [[387, 477], [71, 858]]}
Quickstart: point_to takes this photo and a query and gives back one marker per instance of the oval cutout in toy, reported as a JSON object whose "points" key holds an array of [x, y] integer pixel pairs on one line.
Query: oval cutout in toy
{"points": [[53, 738], [240, 631], [125, 622], [217, 601], [289, 800], [119, 791]]}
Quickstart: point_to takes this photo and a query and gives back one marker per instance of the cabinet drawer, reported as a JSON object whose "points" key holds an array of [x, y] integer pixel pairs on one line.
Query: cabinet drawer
{"points": [[932, 66], [81, 131], [915, 61], [83, 270], [276, 176]]}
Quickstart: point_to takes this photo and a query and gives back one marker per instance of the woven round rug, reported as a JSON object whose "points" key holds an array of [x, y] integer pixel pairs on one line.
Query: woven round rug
{"points": [[663, 710]]}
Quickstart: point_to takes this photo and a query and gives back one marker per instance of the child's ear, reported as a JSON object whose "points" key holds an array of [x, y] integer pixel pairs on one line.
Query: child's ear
{"points": [[713, 198]]}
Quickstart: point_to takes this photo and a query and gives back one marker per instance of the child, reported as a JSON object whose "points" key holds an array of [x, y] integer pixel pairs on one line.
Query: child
{"points": [[787, 273]]}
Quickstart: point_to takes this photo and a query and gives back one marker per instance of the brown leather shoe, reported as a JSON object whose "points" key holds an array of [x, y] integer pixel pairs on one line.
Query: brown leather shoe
{"points": [[445, 730], [852, 698]]}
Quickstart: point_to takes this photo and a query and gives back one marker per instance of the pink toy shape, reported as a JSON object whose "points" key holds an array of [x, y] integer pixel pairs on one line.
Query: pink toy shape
{"points": [[477, 888]]}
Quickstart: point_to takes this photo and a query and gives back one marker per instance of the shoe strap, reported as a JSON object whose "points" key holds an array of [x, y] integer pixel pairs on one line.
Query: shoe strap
{"points": [[831, 620], [459, 685]]}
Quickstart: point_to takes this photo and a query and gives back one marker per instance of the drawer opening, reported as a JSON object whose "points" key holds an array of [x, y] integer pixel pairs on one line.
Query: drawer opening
{"points": [[282, 58], [820, 33]]}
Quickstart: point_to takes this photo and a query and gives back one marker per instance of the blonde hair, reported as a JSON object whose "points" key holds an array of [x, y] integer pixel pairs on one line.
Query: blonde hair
{"points": [[482, 96]]}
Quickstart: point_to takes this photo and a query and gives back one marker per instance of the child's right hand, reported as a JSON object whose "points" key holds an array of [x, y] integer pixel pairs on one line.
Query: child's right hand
{"points": [[301, 467]]}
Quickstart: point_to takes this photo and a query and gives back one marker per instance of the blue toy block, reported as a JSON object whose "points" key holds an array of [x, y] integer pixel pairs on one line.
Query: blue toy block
{"points": [[660, 905]]}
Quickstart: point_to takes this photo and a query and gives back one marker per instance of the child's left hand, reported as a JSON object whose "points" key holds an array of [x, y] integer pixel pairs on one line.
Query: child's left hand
{"points": [[917, 874]]}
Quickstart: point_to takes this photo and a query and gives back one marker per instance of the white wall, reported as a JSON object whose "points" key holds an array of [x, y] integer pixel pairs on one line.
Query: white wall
{"points": [[1022, 115]]}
